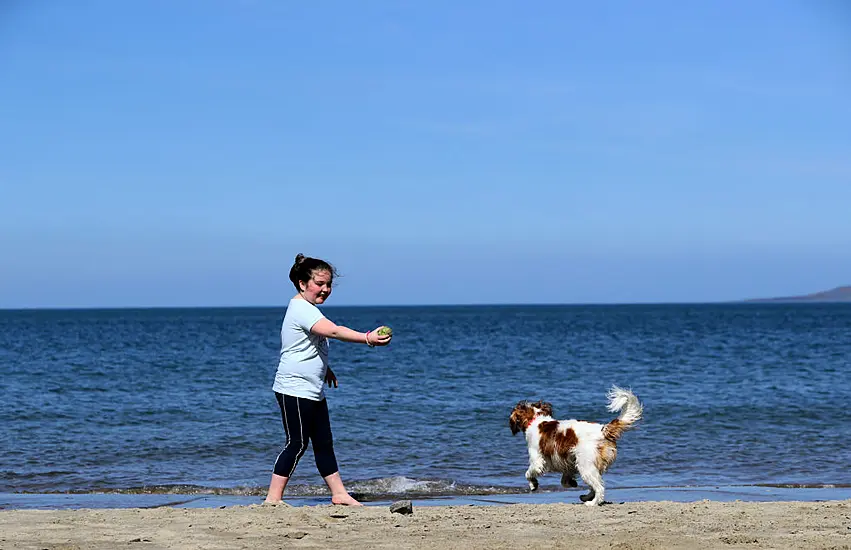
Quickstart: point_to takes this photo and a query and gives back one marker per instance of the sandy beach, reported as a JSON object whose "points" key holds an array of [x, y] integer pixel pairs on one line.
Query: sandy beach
{"points": [[703, 524]]}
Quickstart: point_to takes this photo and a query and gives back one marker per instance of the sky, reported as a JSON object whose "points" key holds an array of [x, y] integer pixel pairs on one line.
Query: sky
{"points": [[182, 152]]}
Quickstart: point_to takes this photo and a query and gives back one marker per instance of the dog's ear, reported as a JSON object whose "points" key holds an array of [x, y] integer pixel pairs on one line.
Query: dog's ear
{"points": [[516, 421], [512, 423], [545, 407]]}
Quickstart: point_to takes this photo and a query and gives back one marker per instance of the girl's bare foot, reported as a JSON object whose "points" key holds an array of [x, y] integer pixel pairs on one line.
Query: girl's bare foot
{"points": [[344, 499]]}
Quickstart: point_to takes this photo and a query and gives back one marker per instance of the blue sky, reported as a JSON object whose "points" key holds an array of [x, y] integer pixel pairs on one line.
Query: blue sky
{"points": [[180, 153]]}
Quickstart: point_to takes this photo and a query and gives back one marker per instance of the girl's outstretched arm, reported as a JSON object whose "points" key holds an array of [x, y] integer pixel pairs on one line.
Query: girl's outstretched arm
{"points": [[328, 329]]}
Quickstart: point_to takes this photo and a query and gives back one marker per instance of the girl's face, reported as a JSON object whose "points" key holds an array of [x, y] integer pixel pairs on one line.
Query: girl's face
{"points": [[318, 288]]}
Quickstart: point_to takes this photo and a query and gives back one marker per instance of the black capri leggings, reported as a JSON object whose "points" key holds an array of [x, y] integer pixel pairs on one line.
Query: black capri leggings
{"points": [[305, 420]]}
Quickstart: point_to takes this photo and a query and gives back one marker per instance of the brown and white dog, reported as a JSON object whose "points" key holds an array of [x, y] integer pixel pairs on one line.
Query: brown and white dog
{"points": [[574, 446]]}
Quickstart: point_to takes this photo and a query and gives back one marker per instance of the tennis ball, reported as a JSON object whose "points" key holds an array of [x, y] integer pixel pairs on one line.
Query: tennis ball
{"points": [[385, 331]]}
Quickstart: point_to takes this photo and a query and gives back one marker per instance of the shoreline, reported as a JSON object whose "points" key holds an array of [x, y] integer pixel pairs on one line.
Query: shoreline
{"points": [[731, 493], [635, 526]]}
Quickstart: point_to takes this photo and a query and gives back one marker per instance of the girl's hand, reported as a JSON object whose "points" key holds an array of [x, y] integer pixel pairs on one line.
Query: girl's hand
{"points": [[330, 378], [376, 339]]}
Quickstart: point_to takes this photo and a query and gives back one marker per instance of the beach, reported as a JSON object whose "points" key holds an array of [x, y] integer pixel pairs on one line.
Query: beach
{"points": [[636, 525]]}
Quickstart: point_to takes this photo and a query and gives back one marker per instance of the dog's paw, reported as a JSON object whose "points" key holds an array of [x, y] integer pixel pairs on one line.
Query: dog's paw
{"points": [[533, 484], [587, 499], [593, 502], [568, 481]]}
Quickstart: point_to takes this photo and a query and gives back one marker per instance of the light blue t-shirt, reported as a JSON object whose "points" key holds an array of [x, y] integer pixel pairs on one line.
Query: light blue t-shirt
{"points": [[304, 356]]}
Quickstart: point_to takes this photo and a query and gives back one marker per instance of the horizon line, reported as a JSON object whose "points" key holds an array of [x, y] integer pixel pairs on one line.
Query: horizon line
{"points": [[746, 301]]}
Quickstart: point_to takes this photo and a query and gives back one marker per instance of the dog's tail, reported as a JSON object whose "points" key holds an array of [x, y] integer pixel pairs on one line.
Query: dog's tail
{"points": [[630, 408]]}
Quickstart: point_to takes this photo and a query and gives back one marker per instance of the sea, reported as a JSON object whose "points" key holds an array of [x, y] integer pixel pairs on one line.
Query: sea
{"points": [[174, 407]]}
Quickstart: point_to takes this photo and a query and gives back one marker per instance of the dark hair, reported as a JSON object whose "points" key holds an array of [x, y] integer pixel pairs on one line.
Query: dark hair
{"points": [[303, 268]]}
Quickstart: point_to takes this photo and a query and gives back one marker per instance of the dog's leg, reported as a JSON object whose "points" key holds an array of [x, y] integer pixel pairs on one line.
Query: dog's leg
{"points": [[532, 478], [535, 470], [537, 467], [568, 479], [591, 475]]}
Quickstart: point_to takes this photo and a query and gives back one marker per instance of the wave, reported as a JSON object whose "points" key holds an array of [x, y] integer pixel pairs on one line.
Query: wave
{"points": [[373, 489], [391, 487], [804, 485]]}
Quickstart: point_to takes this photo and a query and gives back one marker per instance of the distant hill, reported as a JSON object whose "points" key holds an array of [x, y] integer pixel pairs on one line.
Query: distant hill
{"points": [[838, 294]]}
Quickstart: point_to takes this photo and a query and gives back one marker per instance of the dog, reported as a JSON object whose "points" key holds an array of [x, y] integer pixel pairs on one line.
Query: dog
{"points": [[574, 446]]}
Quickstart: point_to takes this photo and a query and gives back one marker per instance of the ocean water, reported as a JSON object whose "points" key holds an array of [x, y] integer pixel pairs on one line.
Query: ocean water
{"points": [[179, 401]]}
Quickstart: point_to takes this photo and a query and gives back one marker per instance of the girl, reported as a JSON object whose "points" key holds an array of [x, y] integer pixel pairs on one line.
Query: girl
{"points": [[302, 369]]}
